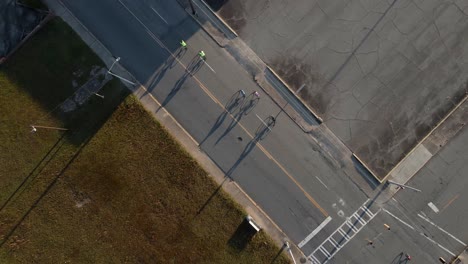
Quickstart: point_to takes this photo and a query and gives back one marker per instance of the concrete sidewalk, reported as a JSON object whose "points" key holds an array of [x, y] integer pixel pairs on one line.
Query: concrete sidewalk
{"points": [[169, 122]]}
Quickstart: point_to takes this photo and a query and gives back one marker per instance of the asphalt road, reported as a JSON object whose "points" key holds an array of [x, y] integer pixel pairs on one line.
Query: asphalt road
{"points": [[426, 225], [283, 170]]}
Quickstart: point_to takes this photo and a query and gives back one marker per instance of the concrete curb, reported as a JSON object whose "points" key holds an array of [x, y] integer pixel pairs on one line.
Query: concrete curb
{"points": [[170, 123], [395, 173], [219, 18], [297, 97]]}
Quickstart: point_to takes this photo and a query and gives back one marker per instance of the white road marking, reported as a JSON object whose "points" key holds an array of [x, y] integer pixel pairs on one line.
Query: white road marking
{"points": [[322, 182], [433, 207], [446, 250], [447, 233], [313, 233], [263, 122], [159, 15], [403, 222], [422, 234], [209, 66]]}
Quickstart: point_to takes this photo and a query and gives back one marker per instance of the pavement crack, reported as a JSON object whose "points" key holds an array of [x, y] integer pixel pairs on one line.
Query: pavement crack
{"points": [[459, 8], [440, 36], [417, 6], [321, 9]]}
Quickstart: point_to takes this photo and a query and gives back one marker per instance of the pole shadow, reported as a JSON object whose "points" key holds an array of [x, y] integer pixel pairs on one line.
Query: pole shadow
{"points": [[45, 192], [248, 148], [278, 254], [49, 155], [210, 198], [174, 91]]}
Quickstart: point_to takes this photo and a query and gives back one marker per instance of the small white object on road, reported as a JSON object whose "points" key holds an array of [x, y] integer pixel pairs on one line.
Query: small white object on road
{"points": [[433, 207]]}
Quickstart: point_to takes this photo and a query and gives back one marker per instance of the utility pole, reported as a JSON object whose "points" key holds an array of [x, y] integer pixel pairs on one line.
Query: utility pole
{"points": [[288, 248]]}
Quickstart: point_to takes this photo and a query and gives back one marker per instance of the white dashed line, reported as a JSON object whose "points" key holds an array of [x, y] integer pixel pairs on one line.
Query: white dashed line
{"points": [[159, 15], [447, 233]]}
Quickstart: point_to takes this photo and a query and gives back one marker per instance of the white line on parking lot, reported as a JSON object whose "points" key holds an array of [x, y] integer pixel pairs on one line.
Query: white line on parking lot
{"points": [[316, 230], [159, 15], [447, 233]]}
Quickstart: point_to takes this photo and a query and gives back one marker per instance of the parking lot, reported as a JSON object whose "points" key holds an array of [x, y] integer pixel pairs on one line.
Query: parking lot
{"points": [[381, 74]]}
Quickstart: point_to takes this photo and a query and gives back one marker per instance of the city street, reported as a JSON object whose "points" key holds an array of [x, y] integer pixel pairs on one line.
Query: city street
{"points": [[282, 169], [286, 171]]}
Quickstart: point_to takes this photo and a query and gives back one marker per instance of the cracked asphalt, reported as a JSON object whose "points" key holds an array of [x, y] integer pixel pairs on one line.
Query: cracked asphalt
{"points": [[381, 73]]}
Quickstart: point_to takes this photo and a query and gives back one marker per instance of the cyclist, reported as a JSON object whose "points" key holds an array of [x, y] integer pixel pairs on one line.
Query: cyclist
{"points": [[242, 93], [183, 44], [202, 55]]}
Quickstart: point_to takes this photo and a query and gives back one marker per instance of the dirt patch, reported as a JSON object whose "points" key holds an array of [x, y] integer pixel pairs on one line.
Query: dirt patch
{"points": [[296, 74], [233, 13]]}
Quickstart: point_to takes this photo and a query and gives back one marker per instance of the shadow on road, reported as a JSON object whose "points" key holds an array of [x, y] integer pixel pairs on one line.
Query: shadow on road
{"points": [[192, 68], [400, 259], [230, 107], [250, 146], [250, 103], [236, 119]]}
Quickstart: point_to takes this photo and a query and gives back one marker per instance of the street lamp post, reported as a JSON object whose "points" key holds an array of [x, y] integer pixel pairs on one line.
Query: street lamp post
{"points": [[120, 77], [35, 127], [116, 60], [403, 186], [288, 248]]}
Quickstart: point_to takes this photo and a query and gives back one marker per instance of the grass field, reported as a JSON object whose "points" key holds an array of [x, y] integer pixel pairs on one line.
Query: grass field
{"points": [[116, 187]]}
